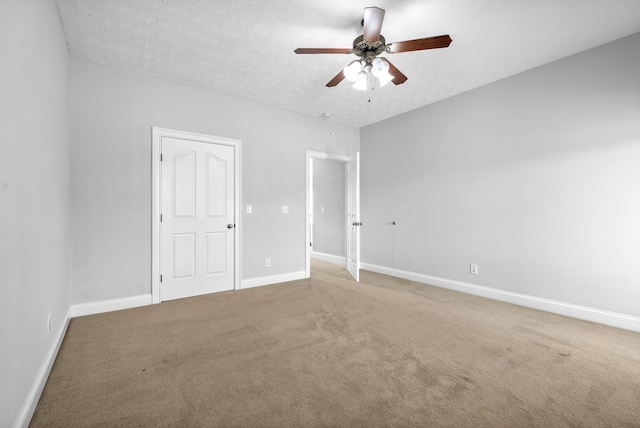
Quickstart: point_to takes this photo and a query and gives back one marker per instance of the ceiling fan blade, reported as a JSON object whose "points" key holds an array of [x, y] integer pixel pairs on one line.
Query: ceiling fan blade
{"points": [[398, 77], [334, 82], [373, 17], [420, 44], [323, 51]]}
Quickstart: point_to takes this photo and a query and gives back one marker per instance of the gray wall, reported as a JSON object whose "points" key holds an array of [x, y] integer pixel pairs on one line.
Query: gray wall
{"points": [[534, 178], [34, 193], [329, 193], [113, 113]]}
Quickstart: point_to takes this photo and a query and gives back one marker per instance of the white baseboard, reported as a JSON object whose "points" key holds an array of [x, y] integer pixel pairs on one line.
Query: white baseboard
{"points": [[92, 308], [329, 258], [628, 322], [273, 279], [33, 397]]}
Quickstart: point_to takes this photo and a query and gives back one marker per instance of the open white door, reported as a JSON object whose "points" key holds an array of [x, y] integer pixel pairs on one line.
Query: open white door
{"points": [[353, 217]]}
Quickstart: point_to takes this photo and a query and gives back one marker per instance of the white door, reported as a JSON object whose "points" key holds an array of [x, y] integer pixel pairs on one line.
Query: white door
{"points": [[197, 218], [353, 217]]}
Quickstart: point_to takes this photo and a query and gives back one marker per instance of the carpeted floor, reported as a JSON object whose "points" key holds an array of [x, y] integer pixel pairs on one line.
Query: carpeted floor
{"points": [[331, 352]]}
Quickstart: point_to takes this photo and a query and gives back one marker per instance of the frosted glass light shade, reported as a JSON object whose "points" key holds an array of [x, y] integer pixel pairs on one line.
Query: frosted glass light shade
{"points": [[379, 67], [361, 82], [352, 70], [385, 78]]}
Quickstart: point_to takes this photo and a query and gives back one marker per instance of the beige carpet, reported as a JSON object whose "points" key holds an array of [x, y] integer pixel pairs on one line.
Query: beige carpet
{"points": [[331, 352]]}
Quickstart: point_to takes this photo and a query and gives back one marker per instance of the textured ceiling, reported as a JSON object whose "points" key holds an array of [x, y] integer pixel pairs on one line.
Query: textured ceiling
{"points": [[244, 48]]}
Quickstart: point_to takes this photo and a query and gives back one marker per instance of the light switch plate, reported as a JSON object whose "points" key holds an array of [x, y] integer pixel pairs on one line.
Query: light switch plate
{"points": [[473, 269]]}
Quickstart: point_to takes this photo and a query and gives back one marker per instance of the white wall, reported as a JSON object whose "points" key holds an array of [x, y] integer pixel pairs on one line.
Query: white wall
{"points": [[34, 194], [111, 175], [535, 178], [329, 194]]}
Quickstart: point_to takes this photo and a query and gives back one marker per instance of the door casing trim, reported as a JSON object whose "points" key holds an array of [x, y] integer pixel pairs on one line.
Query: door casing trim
{"points": [[156, 138]]}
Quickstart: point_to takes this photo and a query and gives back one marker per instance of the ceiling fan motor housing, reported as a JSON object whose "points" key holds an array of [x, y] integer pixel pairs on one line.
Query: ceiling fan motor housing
{"points": [[366, 49]]}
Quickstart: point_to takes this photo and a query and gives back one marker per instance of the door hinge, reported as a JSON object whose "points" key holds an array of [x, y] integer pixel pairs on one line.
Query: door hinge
{"points": [[160, 157], [160, 218], [160, 278]]}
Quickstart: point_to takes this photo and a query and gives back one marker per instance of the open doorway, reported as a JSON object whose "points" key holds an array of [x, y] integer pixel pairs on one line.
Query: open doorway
{"points": [[328, 206], [335, 226]]}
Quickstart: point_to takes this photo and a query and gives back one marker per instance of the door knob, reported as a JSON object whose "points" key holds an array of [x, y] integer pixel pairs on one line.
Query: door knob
{"points": [[230, 226]]}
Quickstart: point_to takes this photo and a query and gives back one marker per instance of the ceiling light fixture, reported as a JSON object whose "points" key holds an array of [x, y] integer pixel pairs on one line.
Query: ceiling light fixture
{"points": [[352, 70], [371, 44], [380, 69], [361, 81], [368, 73]]}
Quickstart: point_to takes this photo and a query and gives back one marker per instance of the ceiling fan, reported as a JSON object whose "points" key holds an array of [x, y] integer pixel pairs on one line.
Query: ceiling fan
{"points": [[368, 47]]}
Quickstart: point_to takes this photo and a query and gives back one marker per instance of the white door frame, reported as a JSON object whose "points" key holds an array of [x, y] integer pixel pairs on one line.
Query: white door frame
{"points": [[156, 138], [323, 156]]}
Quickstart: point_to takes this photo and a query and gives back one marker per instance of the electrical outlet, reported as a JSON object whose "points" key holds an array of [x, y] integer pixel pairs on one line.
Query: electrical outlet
{"points": [[473, 269], [285, 209], [267, 262], [249, 209], [49, 322]]}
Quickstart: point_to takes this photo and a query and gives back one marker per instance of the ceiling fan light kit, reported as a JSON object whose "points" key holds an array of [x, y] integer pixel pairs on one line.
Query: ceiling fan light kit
{"points": [[368, 73], [371, 70]]}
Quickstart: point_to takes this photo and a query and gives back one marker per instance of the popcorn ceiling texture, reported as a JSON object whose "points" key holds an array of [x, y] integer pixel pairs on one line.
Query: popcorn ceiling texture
{"points": [[244, 48]]}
